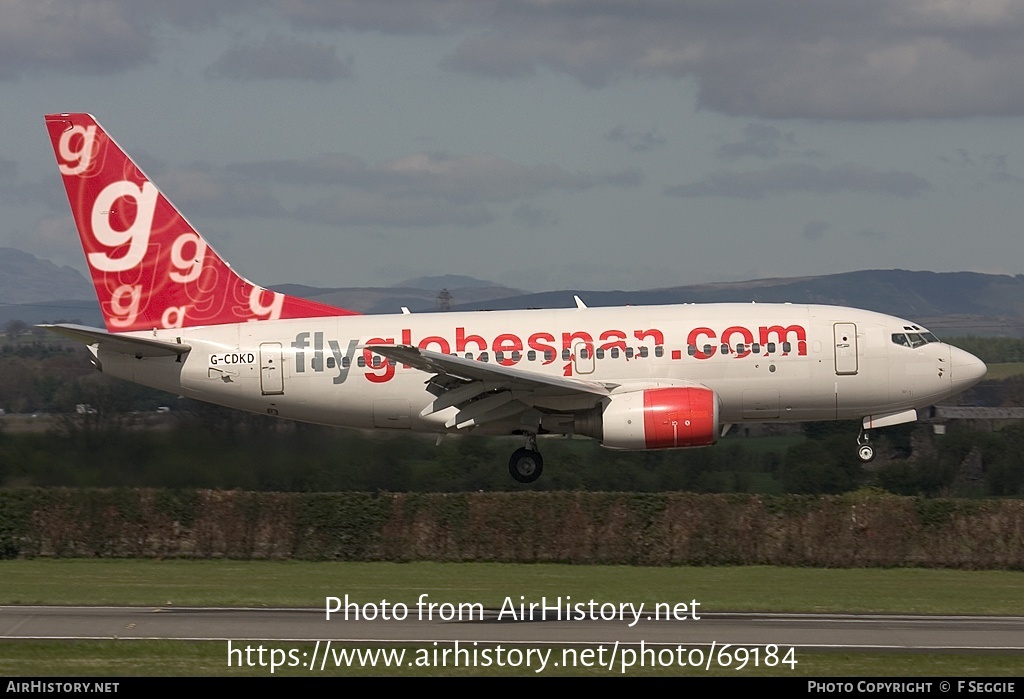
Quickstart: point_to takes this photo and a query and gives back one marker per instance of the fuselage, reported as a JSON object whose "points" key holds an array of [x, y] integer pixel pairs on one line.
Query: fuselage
{"points": [[765, 362]]}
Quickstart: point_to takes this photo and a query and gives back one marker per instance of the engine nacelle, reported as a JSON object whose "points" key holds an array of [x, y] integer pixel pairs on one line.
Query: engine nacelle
{"points": [[655, 418]]}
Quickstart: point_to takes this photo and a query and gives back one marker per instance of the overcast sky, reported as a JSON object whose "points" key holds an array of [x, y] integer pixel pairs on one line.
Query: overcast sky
{"points": [[544, 145]]}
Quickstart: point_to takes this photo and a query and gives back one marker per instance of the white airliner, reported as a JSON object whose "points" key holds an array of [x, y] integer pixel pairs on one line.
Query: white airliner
{"points": [[178, 318]]}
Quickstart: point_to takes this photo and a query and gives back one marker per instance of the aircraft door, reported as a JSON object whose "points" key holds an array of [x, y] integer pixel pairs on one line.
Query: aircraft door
{"points": [[846, 348], [271, 369]]}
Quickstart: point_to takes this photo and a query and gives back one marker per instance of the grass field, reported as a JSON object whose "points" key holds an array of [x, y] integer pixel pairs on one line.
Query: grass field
{"points": [[305, 584], [1004, 371], [273, 583]]}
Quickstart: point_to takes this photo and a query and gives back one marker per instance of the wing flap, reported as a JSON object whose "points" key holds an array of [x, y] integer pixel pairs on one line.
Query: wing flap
{"points": [[482, 393]]}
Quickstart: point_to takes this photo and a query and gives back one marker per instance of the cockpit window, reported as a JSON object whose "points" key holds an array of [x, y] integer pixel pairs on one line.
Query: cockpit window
{"points": [[913, 339]]}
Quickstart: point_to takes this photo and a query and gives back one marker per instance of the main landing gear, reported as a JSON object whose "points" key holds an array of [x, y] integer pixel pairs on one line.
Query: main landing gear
{"points": [[526, 464], [865, 452]]}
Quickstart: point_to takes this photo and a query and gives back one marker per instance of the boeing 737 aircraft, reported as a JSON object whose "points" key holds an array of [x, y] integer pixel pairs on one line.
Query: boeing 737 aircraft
{"points": [[178, 318]]}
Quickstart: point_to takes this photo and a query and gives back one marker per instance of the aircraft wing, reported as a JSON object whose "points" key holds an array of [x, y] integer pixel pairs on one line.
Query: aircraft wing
{"points": [[137, 347], [485, 392]]}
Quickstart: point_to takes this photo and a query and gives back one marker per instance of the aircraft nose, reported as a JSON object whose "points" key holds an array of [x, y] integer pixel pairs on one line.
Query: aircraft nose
{"points": [[966, 369]]}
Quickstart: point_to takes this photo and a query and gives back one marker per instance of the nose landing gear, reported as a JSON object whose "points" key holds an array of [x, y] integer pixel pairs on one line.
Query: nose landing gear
{"points": [[526, 464], [865, 452]]}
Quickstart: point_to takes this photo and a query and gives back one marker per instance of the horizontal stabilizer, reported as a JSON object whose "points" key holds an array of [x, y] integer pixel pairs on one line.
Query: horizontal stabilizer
{"points": [[135, 346]]}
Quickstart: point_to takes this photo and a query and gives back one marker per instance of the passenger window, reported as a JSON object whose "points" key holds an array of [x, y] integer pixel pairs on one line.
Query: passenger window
{"points": [[615, 352], [629, 353], [708, 350], [346, 362], [584, 354], [755, 348], [499, 356], [771, 348], [531, 356], [483, 357], [691, 350], [740, 348], [566, 354], [643, 351], [361, 362], [549, 356], [516, 356], [726, 349], [787, 347], [659, 351], [600, 353]]}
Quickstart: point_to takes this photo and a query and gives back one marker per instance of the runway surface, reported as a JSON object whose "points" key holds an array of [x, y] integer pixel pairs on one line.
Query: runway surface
{"points": [[821, 631]]}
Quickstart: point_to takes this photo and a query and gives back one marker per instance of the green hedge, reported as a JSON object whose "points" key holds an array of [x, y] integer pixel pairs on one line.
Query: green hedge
{"points": [[865, 528]]}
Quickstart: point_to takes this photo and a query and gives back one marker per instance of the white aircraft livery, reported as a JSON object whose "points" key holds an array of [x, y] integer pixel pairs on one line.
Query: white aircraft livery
{"points": [[178, 318]]}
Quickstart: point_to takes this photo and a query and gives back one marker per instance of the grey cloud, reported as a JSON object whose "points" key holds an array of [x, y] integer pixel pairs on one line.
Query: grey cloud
{"points": [[534, 217], [786, 179], [91, 37], [8, 169], [47, 191], [636, 141], [815, 230], [281, 57], [326, 168], [364, 209], [476, 177], [991, 167], [410, 17], [198, 189], [760, 141], [96, 37], [459, 179], [871, 59], [623, 178], [1003, 176]]}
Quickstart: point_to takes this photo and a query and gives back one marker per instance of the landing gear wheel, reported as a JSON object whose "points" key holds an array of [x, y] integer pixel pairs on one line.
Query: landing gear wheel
{"points": [[526, 465], [866, 453]]}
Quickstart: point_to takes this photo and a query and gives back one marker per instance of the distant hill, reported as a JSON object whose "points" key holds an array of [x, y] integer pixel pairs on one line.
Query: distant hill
{"points": [[38, 291], [25, 278], [446, 281], [953, 303], [964, 302], [391, 299]]}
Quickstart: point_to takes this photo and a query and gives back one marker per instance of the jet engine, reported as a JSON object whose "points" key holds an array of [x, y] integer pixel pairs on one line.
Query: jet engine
{"points": [[654, 418]]}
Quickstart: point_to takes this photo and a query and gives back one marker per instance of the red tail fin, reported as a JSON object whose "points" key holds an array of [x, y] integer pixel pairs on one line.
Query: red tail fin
{"points": [[150, 267]]}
